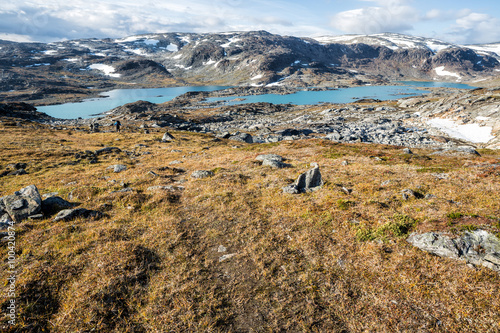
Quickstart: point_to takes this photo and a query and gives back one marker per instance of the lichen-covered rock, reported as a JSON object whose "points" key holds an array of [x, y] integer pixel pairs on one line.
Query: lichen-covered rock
{"points": [[22, 204], [478, 247]]}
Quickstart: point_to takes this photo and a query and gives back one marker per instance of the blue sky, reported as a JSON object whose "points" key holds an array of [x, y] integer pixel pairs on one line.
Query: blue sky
{"points": [[457, 21]]}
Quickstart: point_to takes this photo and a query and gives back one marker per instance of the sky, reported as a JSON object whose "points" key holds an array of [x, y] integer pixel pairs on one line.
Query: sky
{"points": [[456, 21]]}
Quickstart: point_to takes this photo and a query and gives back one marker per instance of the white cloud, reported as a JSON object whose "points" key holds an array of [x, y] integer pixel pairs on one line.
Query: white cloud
{"points": [[61, 19], [473, 28], [389, 16]]}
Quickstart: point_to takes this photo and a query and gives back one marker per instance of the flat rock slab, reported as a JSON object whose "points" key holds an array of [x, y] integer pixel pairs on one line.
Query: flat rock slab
{"points": [[270, 157], [108, 150], [478, 247], [71, 214], [199, 174]]}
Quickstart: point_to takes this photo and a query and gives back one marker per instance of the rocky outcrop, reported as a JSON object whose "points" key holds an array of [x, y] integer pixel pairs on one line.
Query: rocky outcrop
{"points": [[22, 111], [478, 247]]}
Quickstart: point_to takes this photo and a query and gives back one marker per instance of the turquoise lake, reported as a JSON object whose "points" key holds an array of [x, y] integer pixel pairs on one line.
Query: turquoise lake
{"points": [[94, 106]]}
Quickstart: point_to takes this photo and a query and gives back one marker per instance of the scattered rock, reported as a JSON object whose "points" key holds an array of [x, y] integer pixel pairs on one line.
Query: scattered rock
{"points": [[117, 168], [108, 150], [18, 166], [478, 247], [275, 164], [169, 188], [167, 137], [123, 190], [307, 182], [407, 194], [202, 174], [17, 172], [227, 256], [71, 214], [407, 151], [175, 162], [221, 249]]}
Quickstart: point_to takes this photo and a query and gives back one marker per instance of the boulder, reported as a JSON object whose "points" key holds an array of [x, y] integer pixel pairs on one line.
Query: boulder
{"points": [[22, 204], [273, 157], [272, 160], [478, 247], [307, 182]]}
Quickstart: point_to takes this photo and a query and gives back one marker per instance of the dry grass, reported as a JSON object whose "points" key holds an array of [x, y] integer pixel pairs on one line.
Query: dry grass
{"points": [[301, 262]]}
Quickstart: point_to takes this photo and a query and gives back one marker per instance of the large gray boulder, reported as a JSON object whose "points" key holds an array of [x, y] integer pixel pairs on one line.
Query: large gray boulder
{"points": [[22, 204], [242, 137], [272, 160], [478, 247], [307, 182]]}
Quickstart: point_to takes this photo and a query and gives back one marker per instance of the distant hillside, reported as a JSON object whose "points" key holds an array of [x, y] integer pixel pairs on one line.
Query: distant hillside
{"points": [[236, 58]]}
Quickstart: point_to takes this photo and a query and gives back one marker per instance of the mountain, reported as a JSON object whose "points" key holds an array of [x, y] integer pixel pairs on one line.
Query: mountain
{"points": [[235, 58]]}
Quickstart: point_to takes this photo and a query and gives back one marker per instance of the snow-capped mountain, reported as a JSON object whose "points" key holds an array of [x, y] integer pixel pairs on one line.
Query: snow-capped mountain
{"points": [[241, 58], [399, 41]]}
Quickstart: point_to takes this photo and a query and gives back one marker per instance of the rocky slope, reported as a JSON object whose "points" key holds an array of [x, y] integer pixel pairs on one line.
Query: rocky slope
{"points": [[147, 232], [79, 67]]}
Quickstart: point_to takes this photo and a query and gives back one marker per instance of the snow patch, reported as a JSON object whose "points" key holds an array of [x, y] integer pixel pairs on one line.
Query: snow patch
{"points": [[183, 67], [106, 69], [172, 47], [482, 118], [177, 56], [209, 62], [470, 132], [231, 41], [256, 77], [137, 51], [185, 39], [152, 42], [71, 59], [128, 39], [442, 72], [50, 52], [37, 65]]}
